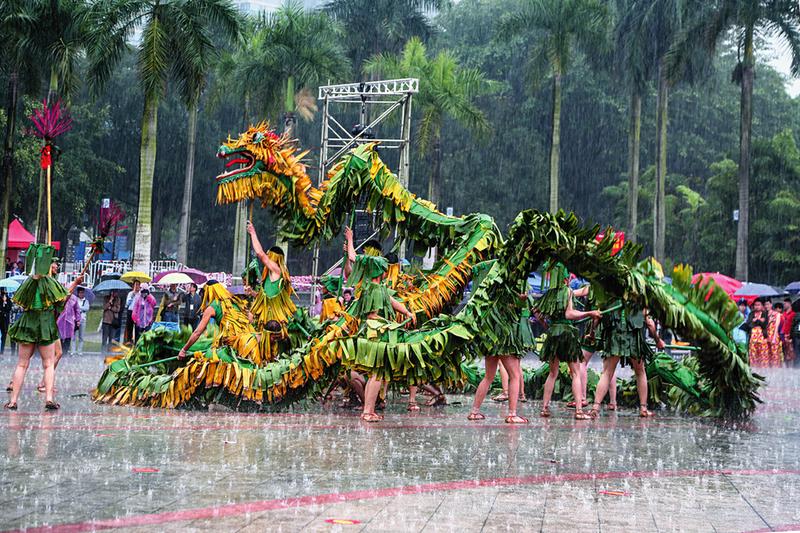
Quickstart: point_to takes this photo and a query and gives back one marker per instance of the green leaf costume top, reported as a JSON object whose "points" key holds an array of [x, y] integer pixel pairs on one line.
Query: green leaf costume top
{"points": [[41, 298]]}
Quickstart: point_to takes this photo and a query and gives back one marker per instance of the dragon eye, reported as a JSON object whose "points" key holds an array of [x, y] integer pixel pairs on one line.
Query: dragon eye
{"points": [[258, 137]]}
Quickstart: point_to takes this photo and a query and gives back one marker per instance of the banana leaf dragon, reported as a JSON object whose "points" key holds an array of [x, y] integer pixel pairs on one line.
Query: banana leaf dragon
{"points": [[717, 382]]}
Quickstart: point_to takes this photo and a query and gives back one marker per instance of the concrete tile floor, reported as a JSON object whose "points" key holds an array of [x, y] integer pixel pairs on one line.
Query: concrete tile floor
{"points": [[320, 469]]}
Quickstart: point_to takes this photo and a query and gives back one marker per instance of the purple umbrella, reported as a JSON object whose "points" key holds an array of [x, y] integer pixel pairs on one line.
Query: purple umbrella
{"points": [[793, 287], [198, 276]]}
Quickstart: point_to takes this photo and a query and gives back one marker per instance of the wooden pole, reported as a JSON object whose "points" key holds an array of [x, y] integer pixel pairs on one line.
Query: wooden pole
{"points": [[49, 206]]}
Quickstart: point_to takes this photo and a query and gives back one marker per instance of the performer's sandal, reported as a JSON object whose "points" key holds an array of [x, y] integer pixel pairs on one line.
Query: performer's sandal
{"points": [[10, 406], [612, 407], [523, 399], [371, 417], [594, 412], [412, 406], [52, 406], [545, 412], [571, 405], [516, 419], [644, 412], [476, 416], [439, 399], [580, 415], [502, 397]]}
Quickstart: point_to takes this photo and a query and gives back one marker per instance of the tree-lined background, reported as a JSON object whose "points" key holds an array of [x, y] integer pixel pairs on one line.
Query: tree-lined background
{"points": [[632, 113]]}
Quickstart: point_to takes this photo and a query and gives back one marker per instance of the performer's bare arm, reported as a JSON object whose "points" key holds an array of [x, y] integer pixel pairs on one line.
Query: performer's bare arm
{"points": [[399, 307], [208, 314], [573, 314], [350, 250], [271, 265], [651, 327]]}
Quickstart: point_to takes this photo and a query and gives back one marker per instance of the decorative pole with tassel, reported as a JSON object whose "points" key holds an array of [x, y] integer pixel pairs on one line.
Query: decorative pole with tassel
{"points": [[50, 122]]}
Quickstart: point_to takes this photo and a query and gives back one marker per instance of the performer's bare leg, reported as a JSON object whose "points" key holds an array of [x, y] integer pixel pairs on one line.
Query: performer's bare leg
{"points": [[549, 385], [23, 362], [609, 369], [641, 387], [490, 364], [371, 392]]}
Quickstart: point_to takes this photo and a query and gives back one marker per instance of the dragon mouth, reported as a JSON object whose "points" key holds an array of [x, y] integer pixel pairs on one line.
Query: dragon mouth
{"points": [[244, 159]]}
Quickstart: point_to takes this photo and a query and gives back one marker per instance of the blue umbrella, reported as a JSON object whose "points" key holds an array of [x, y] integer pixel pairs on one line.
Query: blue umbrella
{"points": [[793, 287], [19, 278], [756, 289], [9, 285], [111, 285], [88, 293]]}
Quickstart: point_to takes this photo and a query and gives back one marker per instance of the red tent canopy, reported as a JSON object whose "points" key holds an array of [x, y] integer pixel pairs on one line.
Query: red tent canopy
{"points": [[19, 238]]}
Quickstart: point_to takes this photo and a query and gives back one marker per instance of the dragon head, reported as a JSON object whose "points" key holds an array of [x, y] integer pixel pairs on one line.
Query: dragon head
{"points": [[254, 151], [258, 163]]}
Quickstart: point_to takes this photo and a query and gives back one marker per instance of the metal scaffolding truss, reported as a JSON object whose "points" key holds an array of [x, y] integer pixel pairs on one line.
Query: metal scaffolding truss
{"points": [[385, 99]]}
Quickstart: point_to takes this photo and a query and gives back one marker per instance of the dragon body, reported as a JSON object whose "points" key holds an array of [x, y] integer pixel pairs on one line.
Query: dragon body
{"points": [[271, 172]]}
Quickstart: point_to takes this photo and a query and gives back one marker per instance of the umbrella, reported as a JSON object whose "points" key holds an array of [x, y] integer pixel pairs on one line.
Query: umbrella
{"points": [[135, 275], [793, 287], [109, 275], [88, 293], [726, 283], [197, 276], [111, 285], [751, 291], [236, 290], [178, 278], [9, 284], [19, 278]]}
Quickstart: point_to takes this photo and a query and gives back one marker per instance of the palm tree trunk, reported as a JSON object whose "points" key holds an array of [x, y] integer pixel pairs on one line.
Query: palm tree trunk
{"points": [[186, 208], [659, 214], [745, 130], [634, 138], [147, 167], [434, 184], [41, 224], [239, 233], [8, 156], [289, 119], [289, 123], [555, 143]]}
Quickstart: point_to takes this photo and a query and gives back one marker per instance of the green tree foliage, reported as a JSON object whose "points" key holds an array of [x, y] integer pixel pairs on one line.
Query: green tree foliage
{"points": [[446, 90]]}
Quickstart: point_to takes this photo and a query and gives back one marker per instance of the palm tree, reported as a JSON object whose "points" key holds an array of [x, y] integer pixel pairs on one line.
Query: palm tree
{"points": [[659, 25], [16, 22], [749, 19], [59, 40], [381, 26], [242, 76], [300, 49], [633, 61], [193, 79], [563, 25], [446, 89], [174, 32]]}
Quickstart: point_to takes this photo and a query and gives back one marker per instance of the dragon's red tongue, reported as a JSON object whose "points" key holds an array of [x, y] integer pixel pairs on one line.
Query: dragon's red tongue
{"points": [[240, 160]]}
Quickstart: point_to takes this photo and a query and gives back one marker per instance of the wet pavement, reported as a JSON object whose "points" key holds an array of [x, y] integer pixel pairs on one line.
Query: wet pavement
{"points": [[319, 468]]}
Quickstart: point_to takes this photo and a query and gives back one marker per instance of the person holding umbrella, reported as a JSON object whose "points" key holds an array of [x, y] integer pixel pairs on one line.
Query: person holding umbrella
{"points": [[143, 315], [129, 325]]}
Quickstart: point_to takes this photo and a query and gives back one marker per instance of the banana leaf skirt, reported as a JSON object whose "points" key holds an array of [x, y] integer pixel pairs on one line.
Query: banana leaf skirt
{"points": [[562, 343], [37, 326]]}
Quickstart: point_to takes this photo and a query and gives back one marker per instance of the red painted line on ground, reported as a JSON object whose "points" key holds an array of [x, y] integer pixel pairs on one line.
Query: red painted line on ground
{"points": [[237, 509], [321, 427], [783, 527]]}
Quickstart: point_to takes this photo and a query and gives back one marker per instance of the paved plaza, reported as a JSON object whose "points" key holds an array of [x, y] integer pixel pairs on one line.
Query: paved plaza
{"points": [[319, 468]]}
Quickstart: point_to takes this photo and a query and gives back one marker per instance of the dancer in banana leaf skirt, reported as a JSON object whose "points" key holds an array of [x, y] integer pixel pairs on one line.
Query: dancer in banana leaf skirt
{"points": [[562, 342], [622, 340]]}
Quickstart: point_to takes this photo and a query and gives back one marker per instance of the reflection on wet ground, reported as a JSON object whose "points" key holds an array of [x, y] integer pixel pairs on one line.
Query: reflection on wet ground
{"points": [[319, 468]]}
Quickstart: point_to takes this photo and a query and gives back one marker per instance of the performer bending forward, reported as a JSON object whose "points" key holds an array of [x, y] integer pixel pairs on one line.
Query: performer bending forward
{"points": [[622, 339], [562, 343]]}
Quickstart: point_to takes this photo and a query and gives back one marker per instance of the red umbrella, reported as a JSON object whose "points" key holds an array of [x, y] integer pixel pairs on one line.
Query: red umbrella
{"points": [[198, 276], [726, 283]]}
